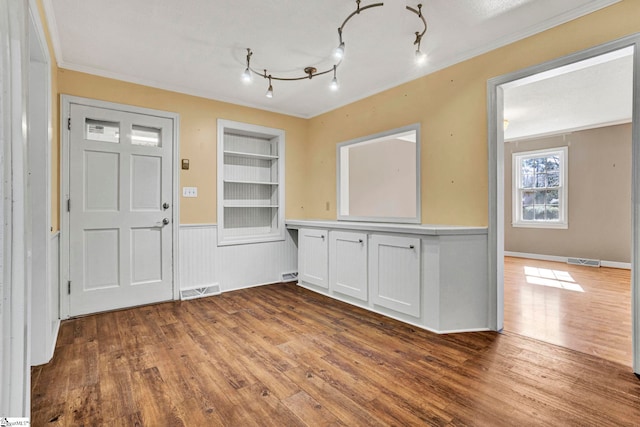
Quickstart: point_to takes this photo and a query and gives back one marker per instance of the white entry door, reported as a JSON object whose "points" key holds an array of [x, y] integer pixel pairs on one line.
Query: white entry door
{"points": [[120, 222]]}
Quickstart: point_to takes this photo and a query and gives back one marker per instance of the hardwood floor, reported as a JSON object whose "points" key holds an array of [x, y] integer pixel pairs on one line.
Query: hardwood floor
{"points": [[284, 356], [583, 308]]}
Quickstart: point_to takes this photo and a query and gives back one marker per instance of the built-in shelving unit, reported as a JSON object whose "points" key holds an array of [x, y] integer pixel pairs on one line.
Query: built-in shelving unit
{"points": [[250, 183]]}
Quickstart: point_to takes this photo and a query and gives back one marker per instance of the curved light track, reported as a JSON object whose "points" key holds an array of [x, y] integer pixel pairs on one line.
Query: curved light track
{"points": [[311, 72]]}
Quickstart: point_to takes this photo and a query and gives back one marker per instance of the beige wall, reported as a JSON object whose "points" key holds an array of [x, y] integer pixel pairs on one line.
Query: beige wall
{"points": [[55, 150], [382, 179], [450, 105], [599, 195]]}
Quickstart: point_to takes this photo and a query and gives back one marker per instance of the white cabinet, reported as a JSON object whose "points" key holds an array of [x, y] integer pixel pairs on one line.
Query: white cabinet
{"points": [[313, 257], [394, 273], [250, 183], [348, 264], [433, 277]]}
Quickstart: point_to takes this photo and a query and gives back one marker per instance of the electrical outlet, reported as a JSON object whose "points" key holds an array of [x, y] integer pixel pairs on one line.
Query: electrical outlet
{"points": [[189, 191]]}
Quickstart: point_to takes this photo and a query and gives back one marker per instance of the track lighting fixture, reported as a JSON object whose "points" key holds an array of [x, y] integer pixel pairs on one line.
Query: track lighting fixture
{"points": [[338, 53], [334, 81], [421, 57], [247, 76], [270, 90]]}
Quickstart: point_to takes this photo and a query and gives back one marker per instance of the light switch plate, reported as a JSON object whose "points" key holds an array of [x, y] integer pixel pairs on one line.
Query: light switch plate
{"points": [[189, 191]]}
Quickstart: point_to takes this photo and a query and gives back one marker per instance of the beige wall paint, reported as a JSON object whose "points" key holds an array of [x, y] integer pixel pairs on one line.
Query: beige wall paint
{"points": [[55, 144], [198, 136], [382, 179], [450, 105], [599, 197]]}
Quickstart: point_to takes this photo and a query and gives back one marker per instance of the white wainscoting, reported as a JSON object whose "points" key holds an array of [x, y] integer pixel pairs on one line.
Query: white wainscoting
{"points": [[54, 286], [45, 314], [203, 263]]}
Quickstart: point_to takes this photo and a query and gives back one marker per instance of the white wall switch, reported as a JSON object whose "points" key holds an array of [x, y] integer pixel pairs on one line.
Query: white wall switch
{"points": [[189, 191]]}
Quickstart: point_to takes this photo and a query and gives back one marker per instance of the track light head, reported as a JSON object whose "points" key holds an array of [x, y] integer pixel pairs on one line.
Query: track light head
{"points": [[338, 52], [334, 81], [246, 76], [269, 93]]}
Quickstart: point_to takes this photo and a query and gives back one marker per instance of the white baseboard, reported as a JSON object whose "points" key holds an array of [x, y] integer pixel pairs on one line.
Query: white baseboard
{"points": [[364, 305], [614, 264], [610, 264]]}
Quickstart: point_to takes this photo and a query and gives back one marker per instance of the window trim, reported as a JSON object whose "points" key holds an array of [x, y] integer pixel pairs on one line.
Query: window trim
{"points": [[516, 158]]}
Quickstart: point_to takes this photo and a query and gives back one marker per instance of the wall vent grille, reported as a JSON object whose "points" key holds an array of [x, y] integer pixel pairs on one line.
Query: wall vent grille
{"points": [[584, 261], [199, 292], [290, 277]]}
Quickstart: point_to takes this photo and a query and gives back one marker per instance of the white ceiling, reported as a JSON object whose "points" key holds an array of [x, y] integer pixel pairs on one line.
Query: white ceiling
{"points": [[198, 47], [591, 93]]}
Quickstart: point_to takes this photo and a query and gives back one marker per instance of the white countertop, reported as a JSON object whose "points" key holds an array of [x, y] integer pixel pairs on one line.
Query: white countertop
{"points": [[424, 229]]}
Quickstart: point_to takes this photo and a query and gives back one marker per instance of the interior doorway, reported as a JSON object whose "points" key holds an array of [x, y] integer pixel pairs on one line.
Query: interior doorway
{"points": [[497, 192], [567, 183]]}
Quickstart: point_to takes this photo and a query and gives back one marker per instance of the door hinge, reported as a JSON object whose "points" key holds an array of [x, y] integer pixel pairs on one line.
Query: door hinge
{"points": [[68, 205], [69, 123], [69, 287]]}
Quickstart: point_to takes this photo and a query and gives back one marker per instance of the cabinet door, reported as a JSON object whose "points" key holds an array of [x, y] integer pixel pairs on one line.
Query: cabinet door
{"points": [[313, 257], [395, 273], [348, 263]]}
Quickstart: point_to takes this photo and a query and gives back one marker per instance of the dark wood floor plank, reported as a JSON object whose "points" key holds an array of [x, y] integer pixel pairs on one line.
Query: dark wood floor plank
{"points": [[326, 394], [310, 411], [282, 355]]}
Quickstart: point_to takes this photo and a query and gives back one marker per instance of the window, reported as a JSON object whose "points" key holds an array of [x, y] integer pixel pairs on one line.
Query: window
{"points": [[540, 188]]}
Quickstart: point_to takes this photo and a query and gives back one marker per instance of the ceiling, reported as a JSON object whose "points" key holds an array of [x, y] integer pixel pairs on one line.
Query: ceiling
{"points": [[591, 93], [198, 47]]}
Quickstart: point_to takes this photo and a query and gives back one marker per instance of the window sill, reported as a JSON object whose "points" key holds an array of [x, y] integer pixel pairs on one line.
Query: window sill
{"points": [[549, 225]]}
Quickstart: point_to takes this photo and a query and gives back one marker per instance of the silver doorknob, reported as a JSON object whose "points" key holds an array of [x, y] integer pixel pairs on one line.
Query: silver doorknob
{"points": [[165, 206], [165, 221]]}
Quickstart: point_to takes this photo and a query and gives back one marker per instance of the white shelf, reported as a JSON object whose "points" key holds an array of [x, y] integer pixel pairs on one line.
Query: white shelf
{"points": [[250, 183], [237, 181], [250, 155]]}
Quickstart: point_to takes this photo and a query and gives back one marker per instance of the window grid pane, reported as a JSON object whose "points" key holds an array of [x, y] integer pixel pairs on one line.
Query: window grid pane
{"points": [[539, 179]]}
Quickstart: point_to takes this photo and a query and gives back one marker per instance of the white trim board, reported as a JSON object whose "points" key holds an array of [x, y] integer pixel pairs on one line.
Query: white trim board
{"points": [[555, 258], [388, 313]]}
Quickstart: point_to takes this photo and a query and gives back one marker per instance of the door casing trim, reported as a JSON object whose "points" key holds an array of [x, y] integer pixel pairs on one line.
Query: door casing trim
{"points": [[495, 136], [65, 111]]}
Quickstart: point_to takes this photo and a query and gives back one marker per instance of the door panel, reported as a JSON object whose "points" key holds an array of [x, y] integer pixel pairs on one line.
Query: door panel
{"points": [[146, 245], [102, 263], [120, 176], [348, 263], [101, 187], [313, 257], [146, 183], [395, 273]]}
